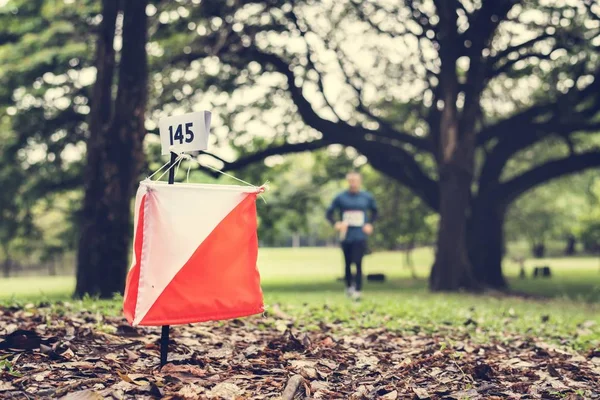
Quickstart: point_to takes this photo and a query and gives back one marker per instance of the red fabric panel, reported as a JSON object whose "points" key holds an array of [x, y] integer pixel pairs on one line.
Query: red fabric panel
{"points": [[220, 280], [133, 277]]}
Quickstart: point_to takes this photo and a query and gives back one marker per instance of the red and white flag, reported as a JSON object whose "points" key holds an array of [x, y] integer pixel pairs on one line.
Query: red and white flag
{"points": [[194, 254]]}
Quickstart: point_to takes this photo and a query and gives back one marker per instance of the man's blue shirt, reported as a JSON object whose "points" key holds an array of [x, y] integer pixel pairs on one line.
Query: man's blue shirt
{"points": [[353, 208]]}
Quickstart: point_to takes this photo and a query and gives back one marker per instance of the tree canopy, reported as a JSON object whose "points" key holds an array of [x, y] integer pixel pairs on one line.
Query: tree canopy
{"points": [[468, 104]]}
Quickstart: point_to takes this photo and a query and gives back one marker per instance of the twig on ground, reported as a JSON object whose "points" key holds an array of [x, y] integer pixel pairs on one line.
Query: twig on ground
{"points": [[292, 387], [71, 387]]}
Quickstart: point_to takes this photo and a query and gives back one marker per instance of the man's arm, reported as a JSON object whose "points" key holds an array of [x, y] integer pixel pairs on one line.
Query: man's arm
{"points": [[374, 209], [330, 213]]}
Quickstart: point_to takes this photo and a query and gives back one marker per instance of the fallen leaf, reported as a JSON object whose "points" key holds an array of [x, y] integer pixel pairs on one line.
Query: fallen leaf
{"points": [[483, 372], [421, 393], [83, 395], [302, 363], [318, 385], [393, 395], [127, 331], [175, 370], [191, 390], [470, 394], [225, 390], [131, 356], [41, 376], [367, 361], [251, 351], [127, 379], [553, 372], [329, 364], [21, 340], [6, 386], [287, 343]]}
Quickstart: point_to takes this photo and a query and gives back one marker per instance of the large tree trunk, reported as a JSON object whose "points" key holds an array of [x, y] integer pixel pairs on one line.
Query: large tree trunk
{"points": [[454, 137], [486, 245], [452, 269], [114, 154]]}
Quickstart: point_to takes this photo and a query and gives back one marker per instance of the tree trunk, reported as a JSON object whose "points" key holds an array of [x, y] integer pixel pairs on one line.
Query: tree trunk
{"points": [[452, 270], [570, 248], [114, 154], [486, 245], [6, 267], [6, 264], [538, 249]]}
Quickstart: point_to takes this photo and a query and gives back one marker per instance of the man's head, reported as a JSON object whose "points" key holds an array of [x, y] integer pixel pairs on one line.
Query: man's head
{"points": [[354, 181]]}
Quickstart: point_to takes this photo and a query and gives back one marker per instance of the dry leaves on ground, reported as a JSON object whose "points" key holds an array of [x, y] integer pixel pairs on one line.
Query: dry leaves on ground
{"points": [[83, 356]]}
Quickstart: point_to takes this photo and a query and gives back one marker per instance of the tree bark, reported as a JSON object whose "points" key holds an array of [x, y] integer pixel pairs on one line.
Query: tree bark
{"points": [[451, 270], [486, 244], [114, 153], [6, 267]]}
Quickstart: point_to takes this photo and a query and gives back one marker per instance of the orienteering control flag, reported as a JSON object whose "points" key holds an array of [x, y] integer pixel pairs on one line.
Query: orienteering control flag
{"points": [[194, 254]]}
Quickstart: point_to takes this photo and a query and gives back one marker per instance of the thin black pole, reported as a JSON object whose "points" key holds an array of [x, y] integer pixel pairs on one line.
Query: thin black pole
{"points": [[164, 345], [164, 336]]}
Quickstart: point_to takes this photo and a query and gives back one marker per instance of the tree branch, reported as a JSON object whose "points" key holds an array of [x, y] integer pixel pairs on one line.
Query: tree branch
{"points": [[311, 65], [515, 187], [287, 148], [528, 117], [483, 24], [364, 17], [328, 128], [387, 129], [523, 137], [510, 63], [517, 48]]}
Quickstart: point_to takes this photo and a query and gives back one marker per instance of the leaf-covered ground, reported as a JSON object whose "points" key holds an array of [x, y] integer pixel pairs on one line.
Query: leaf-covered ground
{"points": [[87, 355]]}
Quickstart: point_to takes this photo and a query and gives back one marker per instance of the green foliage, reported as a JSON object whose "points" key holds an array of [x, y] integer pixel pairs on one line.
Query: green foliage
{"points": [[300, 188], [589, 221], [45, 55], [46, 69], [6, 367], [563, 208], [405, 221]]}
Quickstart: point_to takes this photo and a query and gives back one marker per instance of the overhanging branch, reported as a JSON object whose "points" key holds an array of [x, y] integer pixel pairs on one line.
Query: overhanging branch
{"points": [[523, 137], [515, 187], [529, 118], [508, 64], [287, 148], [517, 48], [326, 127]]}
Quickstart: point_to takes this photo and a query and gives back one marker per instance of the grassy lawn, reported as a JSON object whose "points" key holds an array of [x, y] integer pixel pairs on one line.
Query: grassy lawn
{"points": [[303, 283]]}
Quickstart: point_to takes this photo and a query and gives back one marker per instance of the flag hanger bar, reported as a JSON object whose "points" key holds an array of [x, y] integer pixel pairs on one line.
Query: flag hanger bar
{"points": [[183, 185]]}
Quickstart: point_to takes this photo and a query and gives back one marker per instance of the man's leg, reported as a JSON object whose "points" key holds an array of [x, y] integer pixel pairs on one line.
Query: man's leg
{"points": [[358, 253], [347, 249]]}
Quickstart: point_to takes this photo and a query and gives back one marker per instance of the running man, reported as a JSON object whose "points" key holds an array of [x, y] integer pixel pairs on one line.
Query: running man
{"points": [[354, 227]]}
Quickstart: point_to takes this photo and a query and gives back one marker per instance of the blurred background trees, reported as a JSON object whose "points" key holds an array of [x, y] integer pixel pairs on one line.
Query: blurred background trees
{"points": [[457, 112]]}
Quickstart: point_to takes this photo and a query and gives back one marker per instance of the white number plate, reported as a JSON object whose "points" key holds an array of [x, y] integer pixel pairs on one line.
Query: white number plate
{"points": [[187, 132], [354, 218]]}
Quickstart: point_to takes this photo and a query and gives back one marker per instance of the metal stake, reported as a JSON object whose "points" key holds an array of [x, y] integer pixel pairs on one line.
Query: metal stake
{"points": [[164, 336]]}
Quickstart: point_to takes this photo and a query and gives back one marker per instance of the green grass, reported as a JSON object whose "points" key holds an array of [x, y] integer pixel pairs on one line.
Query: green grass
{"points": [[303, 283]]}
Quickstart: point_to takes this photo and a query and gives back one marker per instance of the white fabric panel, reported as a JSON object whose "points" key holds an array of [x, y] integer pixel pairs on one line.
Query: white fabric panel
{"points": [[178, 218]]}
